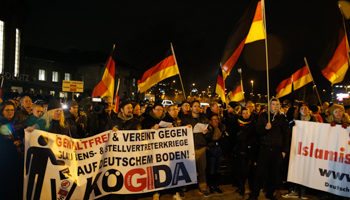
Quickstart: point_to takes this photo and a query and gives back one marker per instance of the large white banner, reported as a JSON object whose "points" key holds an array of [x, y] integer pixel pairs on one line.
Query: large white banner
{"points": [[59, 167], [320, 157]]}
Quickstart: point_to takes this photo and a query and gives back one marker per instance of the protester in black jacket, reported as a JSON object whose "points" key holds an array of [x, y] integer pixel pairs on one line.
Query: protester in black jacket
{"points": [[200, 144], [153, 118], [244, 149], [215, 152], [97, 122], [125, 119], [274, 139], [172, 116], [73, 120]]}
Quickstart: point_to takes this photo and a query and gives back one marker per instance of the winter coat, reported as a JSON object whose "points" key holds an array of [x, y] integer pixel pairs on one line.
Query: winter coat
{"points": [[200, 139], [176, 122], [278, 137], [150, 120], [122, 123], [246, 137]]}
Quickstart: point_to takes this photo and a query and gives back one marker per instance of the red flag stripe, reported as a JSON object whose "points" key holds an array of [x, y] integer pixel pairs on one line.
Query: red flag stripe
{"points": [[300, 73], [258, 13], [233, 59], [339, 58], [237, 90], [284, 84]]}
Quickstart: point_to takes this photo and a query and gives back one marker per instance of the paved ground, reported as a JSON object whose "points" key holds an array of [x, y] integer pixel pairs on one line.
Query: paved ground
{"points": [[229, 194]]}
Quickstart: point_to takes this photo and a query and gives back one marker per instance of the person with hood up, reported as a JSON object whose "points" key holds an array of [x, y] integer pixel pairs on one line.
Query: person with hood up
{"points": [[274, 137]]}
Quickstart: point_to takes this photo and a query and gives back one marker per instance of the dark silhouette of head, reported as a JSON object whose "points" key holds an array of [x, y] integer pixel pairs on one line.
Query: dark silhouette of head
{"points": [[43, 140]]}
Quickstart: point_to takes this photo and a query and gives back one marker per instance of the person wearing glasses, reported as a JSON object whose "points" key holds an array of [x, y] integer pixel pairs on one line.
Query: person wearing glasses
{"points": [[153, 118]]}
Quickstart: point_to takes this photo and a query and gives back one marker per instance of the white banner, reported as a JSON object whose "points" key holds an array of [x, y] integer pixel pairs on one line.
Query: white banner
{"points": [[58, 167], [320, 157]]}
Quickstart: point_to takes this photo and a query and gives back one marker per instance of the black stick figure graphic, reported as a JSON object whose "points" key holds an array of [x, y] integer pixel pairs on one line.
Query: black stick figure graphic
{"points": [[37, 158]]}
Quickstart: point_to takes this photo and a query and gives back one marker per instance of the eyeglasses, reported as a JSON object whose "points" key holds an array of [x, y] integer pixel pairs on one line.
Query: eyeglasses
{"points": [[9, 110], [159, 110], [58, 111]]}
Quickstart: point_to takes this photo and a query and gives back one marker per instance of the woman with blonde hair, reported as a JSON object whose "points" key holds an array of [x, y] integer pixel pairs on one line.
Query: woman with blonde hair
{"points": [[53, 120], [337, 115]]}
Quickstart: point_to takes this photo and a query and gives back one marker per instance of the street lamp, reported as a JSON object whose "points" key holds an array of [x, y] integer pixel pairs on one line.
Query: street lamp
{"points": [[252, 85], [193, 84]]}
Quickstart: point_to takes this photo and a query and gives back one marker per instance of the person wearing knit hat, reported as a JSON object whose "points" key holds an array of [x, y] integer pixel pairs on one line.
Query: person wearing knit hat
{"points": [[53, 120], [125, 119], [76, 120], [54, 104], [338, 116], [185, 109]]}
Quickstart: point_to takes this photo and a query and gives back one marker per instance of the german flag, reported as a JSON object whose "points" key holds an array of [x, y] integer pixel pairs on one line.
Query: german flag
{"points": [[301, 78], [106, 86], [338, 65], [284, 88], [334, 63], [164, 66], [235, 95], [249, 29], [220, 86]]}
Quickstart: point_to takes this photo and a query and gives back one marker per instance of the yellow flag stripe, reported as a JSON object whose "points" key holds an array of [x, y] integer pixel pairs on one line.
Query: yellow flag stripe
{"points": [[108, 80], [256, 32], [340, 74], [284, 91], [302, 81]]}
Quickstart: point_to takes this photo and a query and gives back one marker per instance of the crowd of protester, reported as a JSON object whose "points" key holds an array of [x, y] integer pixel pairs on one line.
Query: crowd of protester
{"points": [[238, 133]]}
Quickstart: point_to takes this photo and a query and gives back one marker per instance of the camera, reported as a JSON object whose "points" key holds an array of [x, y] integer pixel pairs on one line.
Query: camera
{"points": [[98, 105]]}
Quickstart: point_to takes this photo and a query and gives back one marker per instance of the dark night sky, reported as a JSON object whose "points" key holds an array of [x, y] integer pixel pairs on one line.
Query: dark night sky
{"points": [[198, 30]]}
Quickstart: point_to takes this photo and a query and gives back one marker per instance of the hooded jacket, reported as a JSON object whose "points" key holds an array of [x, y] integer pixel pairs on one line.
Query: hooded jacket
{"points": [[278, 137]]}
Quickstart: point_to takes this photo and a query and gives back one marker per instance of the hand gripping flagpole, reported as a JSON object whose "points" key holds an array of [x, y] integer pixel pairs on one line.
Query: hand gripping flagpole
{"points": [[267, 62], [183, 90], [308, 68]]}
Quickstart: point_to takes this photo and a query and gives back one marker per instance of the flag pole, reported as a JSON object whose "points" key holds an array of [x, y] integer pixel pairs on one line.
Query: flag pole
{"points": [[183, 90], [308, 68], [343, 20], [267, 62], [240, 72]]}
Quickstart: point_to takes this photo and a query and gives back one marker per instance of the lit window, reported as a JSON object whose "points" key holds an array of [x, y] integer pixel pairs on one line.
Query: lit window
{"points": [[2, 46], [67, 76], [42, 75], [54, 76], [17, 51]]}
